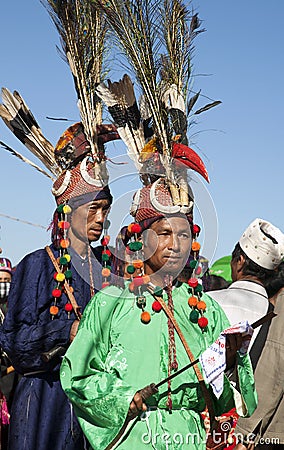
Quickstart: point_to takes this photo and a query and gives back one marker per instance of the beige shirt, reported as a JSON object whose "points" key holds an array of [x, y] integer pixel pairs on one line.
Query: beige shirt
{"points": [[269, 381], [243, 300]]}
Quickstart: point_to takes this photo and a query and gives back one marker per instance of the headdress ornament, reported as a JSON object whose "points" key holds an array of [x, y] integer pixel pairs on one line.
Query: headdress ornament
{"points": [[82, 30], [157, 39]]}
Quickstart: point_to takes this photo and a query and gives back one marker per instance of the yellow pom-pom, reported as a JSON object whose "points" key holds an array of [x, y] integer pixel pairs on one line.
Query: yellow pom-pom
{"points": [[68, 257], [60, 277], [67, 209]]}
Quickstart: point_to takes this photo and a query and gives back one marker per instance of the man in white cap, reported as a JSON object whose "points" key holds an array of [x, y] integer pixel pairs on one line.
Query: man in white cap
{"points": [[255, 258]]}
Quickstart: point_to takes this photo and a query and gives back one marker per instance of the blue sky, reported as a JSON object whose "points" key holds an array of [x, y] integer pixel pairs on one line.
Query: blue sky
{"points": [[238, 60]]}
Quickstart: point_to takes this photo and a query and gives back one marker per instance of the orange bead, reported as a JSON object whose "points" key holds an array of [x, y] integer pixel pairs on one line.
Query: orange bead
{"points": [[129, 228], [192, 301], [195, 246], [64, 243], [105, 272], [138, 264], [53, 310], [201, 305], [145, 317]]}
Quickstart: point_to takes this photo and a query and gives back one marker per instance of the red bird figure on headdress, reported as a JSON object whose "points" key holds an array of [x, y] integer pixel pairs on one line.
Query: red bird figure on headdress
{"points": [[189, 158]]}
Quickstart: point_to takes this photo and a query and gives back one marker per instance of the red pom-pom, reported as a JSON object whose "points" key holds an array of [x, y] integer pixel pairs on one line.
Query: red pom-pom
{"points": [[156, 306], [136, 228], [192, 282], [202, 322], [105, 284], [63, 225], [68, 307], [56, 293], [138, 281], [196, 229], [105, 241], [106, 252]]}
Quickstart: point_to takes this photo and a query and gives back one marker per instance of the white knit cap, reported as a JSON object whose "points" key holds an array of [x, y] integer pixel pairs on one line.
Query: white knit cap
{"points": [[259, 247]]}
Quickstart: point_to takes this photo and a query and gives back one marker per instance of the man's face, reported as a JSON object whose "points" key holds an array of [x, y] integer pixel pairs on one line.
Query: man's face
{"points": [[87, 220], [5, 276], [167, 244]]}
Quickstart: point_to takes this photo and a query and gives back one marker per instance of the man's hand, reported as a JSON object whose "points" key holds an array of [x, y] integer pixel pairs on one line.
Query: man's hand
{"points": [[74, 329], [137, 406], [233, 344]]}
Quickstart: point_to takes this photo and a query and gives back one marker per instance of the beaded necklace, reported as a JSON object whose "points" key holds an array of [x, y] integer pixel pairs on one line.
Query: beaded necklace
{"points": [[140, 282], [64, 261]]}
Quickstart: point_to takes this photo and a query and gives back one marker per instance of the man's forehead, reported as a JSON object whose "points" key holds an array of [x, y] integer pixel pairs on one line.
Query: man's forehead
{"points": [[172, 223], [98, 203]]}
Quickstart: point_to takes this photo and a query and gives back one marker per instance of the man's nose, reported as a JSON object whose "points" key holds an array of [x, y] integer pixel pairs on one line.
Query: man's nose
{"points": [[100, 216], [175, 243]]}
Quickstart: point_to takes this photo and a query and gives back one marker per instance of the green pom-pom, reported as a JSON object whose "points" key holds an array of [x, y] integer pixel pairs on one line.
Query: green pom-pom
{"points": [[198, 289], [105, 257], [135, 246], [59, 208], [63, 261], [130, 269], [193, 263], [193, 316], [158, 291], [68, 274]]}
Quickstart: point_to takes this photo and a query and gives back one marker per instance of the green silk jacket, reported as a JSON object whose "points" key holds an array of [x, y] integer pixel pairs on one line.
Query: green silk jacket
{"points": [[114, 355]]}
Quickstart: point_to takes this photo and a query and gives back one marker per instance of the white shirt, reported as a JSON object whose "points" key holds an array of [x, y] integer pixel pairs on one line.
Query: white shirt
{"points": [[243, 300]]}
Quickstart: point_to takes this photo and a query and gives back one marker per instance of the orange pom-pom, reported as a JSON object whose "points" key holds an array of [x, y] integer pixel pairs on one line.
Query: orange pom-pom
{"points": [[105, 272], [195, 246], [64, 243], [192, 301], [131, 286], [129, 228], [53, 310], [145, 317], [201, 305], [138, 264]]}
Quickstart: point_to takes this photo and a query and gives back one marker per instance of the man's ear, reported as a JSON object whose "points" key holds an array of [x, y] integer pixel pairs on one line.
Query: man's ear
{"points": [[240, 263]]}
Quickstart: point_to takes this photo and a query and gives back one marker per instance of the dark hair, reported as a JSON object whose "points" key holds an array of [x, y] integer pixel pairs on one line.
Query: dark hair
{"points": [[214, 282], [250, 267], [276, 282]]}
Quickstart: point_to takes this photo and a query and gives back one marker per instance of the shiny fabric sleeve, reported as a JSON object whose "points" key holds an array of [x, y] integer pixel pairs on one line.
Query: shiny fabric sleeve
{"points": [[28, 329], [100, 397]]}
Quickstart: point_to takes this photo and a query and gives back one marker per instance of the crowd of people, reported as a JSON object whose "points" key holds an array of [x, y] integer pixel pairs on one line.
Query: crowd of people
{"points": [[142, 345]]}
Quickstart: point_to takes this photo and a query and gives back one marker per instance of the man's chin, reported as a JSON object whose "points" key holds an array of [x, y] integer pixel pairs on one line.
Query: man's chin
{"points": [[94, 235]]}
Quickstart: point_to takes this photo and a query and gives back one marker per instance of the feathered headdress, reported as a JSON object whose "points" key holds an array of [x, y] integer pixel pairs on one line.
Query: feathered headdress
{"points": [[82, 30], [157, 39]]}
